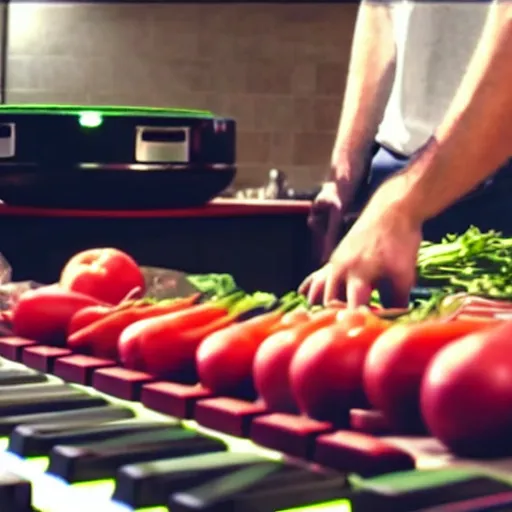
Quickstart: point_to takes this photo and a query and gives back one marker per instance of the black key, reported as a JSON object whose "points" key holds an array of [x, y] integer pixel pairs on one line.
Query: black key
{"points": [[415, 490], [261, 488], [26, 404], [143, 485], [43, 388], [87, 416], [35, 440], [101, 460], [14, 377], [15, 493]]}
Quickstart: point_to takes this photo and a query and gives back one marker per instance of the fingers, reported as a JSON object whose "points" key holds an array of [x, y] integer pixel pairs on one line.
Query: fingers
{"points": [[359, 291], [330, 283], [334, 284], [306, 284], [313, 286]]}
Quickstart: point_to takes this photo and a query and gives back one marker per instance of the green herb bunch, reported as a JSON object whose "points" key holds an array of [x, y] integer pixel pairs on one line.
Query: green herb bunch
{"points": [[474, 262]]}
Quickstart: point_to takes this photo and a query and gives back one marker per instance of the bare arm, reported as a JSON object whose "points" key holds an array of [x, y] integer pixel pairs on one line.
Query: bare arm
{"points": [[475, 137], [369, 82]]}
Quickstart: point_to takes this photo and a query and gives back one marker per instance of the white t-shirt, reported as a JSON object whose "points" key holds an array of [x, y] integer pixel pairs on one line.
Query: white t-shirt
{"points": [[434, 45]]}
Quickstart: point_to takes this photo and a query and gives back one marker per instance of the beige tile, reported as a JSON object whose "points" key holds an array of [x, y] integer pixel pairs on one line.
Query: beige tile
{"points": [[216, 46], [177, 16], [306, 178], [330, 79], [241, 107], [327, 113], [281, 148], [304, 79], [312, 148], [261, 47], [250, 176], [43, 29], [51, 97], [269, 77], [47, 73], [169, 45], [228, 77], [253, 147], [303, 114], [274, 113]]}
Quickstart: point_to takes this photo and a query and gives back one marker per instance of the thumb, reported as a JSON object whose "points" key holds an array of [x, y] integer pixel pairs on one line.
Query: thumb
{"points": [[359, 291]]}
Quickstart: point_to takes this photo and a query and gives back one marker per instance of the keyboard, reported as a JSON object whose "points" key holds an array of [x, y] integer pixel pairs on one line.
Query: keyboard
{"points": [[80, 434]]}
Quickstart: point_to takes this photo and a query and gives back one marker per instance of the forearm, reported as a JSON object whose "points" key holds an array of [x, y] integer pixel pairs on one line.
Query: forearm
{"points": [[475, 138], [369, 82]]}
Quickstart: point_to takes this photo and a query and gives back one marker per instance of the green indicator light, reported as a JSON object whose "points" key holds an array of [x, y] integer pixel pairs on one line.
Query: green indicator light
{"points": [[90, 119], [329, 506]]}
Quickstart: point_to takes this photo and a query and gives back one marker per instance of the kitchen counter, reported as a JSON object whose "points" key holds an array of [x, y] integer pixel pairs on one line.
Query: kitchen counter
{"points": [[217, 208], [265, 245]]}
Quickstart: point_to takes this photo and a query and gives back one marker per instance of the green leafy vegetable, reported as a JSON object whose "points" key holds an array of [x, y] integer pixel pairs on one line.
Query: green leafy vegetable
{"points": [[213, 284], [474, 262]]}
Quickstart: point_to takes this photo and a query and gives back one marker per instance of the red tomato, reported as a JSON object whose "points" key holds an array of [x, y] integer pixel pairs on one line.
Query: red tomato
{"points": [[397, 361], [272, 361], [225, 358], [466, 394], [87, 316], [108, 274], [44, 314], [166, 345], [129, 344], [326, 371], [294, 317]]}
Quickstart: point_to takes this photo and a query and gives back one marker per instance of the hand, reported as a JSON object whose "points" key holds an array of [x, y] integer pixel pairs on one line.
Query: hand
{"points": [[380, 251], [325, 219]]}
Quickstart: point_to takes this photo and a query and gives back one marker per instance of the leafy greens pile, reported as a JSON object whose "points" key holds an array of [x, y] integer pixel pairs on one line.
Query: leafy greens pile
{"points": [[476, 263]]}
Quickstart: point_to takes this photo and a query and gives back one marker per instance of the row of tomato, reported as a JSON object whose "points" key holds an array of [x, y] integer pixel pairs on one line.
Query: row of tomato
{"points": [[453, 377]]}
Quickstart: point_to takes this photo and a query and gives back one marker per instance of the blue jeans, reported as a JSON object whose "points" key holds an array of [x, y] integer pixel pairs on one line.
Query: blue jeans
{"points": [[488, 207]]}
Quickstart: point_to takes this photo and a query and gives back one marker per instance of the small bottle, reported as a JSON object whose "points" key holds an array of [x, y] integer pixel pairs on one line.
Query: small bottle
{"points": [[276, 187]]}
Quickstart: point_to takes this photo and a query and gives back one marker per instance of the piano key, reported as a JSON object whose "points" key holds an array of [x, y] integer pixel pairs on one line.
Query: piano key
{"points": [[415, 490], [261, 488], [42, 357], [42, 388], [293, 435], [79, 368], [229, 415], [121, 382], [369, 422], [171, 398], [25, 404], [11, 347], [15, 493], [16, 376], [501, 502], [360, 453], [150, 484], [36, 440], [101, 414], [101, 460]]}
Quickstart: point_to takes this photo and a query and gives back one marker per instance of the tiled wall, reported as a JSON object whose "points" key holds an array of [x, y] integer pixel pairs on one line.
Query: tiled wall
{"points": [[278, 69]]}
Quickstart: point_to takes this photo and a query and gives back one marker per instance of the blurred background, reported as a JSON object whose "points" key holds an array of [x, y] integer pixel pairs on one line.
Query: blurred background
{"points": [[278, 69]]}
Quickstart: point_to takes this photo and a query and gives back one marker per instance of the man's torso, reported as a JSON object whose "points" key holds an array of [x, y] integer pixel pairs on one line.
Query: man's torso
{"points": [[434, 43]]}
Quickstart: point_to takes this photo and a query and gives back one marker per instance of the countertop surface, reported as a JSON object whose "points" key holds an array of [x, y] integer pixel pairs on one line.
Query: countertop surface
{"points": [[219, 207]]}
